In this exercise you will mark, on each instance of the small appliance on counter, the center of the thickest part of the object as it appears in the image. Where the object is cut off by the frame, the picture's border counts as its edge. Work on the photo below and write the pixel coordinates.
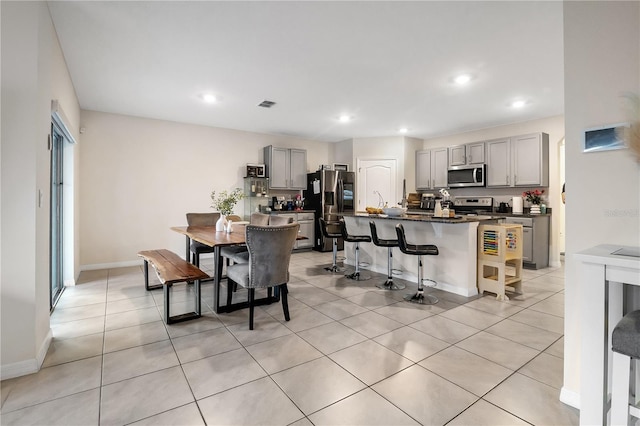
(503, 208)
(517, 205)
(428, 202)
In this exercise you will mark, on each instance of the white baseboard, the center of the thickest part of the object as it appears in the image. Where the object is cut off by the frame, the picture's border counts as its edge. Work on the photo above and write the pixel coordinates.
(570, 398)
(29, 366)
(124, 264)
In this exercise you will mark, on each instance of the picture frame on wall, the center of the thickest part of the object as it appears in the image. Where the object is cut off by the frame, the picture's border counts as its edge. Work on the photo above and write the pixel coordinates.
(605, 138)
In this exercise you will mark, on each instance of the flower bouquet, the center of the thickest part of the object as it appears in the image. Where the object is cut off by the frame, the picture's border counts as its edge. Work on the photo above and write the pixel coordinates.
(534, 197)
(226, 201)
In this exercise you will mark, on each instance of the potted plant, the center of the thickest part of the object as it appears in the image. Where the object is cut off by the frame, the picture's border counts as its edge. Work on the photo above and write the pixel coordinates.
(535, 198)
(224, 202)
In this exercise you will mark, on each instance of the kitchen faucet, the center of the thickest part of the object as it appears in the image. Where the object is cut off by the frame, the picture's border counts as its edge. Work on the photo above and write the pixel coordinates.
(381, 202)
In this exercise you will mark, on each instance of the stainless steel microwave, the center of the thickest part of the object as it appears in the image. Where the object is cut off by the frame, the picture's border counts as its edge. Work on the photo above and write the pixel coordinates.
(463, 176)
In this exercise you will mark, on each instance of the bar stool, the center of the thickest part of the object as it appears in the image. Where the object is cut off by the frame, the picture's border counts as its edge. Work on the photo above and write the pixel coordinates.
(334, 236)
(357, 239)
(389, 244)
(625, 343)
(417, 250)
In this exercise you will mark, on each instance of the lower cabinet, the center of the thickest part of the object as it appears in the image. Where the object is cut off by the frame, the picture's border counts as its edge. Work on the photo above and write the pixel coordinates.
(307, 228)
(535, 236)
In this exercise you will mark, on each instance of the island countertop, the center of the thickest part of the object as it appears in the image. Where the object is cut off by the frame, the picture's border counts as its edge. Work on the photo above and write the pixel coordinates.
(424, 217)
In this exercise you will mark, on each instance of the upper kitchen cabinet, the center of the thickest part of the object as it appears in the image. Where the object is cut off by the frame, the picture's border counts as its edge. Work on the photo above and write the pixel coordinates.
(431, 169)
(286, 168)
(518, 161)
(468, 154)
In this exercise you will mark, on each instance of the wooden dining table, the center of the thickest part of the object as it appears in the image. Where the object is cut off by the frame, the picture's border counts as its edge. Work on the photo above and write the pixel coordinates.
(208, 235)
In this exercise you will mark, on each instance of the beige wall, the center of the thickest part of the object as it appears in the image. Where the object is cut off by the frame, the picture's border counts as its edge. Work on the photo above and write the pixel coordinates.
(33, 73)
(140, 176)
(602, 60)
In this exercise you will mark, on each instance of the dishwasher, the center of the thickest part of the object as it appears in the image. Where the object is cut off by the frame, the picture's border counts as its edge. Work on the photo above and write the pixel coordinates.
(535, 240)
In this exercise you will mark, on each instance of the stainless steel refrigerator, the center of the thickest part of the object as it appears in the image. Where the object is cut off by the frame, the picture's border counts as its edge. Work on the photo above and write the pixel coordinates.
(331, 194)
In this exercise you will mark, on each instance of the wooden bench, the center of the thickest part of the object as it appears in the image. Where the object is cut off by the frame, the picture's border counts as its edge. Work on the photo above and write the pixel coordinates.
(172, 269)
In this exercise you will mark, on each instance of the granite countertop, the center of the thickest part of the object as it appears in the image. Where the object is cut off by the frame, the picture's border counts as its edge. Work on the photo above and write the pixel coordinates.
(417, 217)
(494, 215)
(291, 211)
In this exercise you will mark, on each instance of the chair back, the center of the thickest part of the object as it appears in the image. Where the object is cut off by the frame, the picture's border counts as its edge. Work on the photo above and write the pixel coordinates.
(270, 253)
(277, 220)
(402, 240)
(259, 219)
(414, 249)
(234, 218)
(374, 233)
(202, 219)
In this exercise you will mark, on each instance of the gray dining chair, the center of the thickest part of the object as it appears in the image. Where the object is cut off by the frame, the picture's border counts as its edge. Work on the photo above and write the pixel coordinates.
(238, 254)
(269, 256)
(276, 220)
(200, 219)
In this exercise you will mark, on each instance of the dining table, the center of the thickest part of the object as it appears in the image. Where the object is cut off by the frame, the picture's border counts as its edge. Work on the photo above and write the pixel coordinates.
(208, 235)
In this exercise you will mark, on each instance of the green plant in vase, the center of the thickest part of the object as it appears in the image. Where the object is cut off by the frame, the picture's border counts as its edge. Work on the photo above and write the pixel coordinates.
(224, 202)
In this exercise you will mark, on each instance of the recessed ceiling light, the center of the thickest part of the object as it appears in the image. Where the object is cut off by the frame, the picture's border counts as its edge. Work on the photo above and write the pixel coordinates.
(209, 98)
(462, 79)
(518, 104)
(345, 118)
(403, 130)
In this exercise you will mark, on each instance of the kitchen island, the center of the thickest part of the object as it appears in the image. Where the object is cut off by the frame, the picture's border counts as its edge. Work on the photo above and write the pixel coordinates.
(454, 269)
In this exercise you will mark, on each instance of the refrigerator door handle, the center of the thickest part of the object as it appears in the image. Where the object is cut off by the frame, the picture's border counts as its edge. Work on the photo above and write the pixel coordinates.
(340, 196)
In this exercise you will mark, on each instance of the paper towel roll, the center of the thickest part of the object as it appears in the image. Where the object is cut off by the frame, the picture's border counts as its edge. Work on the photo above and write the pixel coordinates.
(517, 205)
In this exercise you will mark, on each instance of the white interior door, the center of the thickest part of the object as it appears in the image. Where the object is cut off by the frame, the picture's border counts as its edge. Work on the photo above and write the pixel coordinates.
(376, 176)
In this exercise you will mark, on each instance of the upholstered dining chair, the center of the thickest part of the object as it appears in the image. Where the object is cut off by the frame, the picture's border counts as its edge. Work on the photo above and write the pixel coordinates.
(276, 220)
(269, 256)
(238, 254)
(200, 219)
(234, 218)
(258, 218)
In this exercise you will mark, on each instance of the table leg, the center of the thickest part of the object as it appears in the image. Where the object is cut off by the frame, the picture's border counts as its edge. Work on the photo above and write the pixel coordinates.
(593, 353)
(187, 255)
(217, 267)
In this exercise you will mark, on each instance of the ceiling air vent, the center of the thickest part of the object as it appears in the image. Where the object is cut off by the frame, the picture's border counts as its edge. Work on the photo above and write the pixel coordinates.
(266, 104)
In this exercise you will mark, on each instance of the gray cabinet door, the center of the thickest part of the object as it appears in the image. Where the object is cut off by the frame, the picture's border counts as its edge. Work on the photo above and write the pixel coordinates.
(475, 153)
(279, 171)
(529, 160)
(457, 155)
(423, 169)
(527, 245)
(499, 163)
(298, 179)
(439, 168)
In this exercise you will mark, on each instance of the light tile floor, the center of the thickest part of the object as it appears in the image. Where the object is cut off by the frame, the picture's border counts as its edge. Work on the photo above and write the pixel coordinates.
(351, 354)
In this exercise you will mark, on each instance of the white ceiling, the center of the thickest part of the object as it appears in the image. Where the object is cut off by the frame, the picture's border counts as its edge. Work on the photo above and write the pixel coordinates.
(389, 64)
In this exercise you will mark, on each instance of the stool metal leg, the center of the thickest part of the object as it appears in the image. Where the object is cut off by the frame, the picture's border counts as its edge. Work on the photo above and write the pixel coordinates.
(334, 267)
(389, 284)
(356, 275)
(420, 296)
